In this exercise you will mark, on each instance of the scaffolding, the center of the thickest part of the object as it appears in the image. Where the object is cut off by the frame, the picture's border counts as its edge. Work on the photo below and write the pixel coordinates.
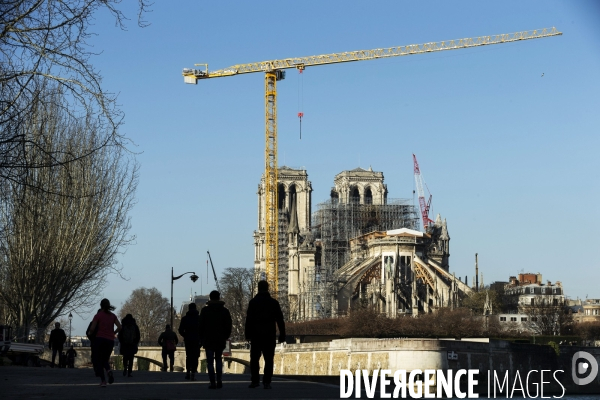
(282, 265)
(333, 225)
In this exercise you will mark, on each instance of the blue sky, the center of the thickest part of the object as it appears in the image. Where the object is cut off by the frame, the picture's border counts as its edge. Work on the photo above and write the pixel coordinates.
(509, 155)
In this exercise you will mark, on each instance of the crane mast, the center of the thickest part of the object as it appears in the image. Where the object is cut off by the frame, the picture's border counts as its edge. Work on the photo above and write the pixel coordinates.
(214, 273)
(273, 71)
(424, 206)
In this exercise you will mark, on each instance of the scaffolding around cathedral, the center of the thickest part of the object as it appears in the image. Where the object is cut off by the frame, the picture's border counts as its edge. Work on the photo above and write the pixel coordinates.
(282, 246)
(333, 225)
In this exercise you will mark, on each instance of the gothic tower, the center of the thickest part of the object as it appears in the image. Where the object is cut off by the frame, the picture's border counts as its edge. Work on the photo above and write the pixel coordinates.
(294, 210)
(359, 186)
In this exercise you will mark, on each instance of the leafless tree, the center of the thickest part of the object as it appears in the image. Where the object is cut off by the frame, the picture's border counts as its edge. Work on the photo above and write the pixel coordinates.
(151, 312)
(548, 315)
(237, 286)
(64, 224)
(588, 331)
(45, 43)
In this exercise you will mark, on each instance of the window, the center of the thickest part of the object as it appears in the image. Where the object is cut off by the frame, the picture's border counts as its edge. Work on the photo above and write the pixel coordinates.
(513, 319)
(533, 319)
(502, 318)
(368, 196)
(523, 319)
(354, 196)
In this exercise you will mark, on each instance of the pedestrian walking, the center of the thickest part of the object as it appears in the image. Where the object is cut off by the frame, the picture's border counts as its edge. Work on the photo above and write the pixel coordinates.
(189, 329)
(129, 340)
(264, 312)
(168, 341)
(63, 360)
(71, 354)
(56, 343)
(215, 329)
(102, 345)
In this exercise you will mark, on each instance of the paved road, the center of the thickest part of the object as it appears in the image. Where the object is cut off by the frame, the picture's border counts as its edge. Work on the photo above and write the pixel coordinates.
(46, 383)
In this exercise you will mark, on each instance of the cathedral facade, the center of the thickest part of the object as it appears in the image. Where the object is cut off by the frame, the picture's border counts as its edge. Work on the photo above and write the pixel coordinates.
(357, 249)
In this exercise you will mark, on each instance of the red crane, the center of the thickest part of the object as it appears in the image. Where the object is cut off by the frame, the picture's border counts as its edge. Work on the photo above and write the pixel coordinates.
(424, 206)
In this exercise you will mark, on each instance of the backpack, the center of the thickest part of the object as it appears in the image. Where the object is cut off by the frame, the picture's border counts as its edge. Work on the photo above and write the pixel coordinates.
(128, 336)
(171, 345)
(92, 335)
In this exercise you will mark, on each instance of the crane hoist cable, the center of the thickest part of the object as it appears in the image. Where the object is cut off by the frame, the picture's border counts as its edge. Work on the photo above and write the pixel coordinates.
(300, 97)
(274, 70)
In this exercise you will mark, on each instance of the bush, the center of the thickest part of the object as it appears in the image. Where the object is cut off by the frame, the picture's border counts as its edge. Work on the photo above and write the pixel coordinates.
(555, 347)
(117, 362)
(143, 365)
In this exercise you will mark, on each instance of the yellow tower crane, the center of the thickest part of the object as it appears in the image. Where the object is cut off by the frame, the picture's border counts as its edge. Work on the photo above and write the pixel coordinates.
(274, 71)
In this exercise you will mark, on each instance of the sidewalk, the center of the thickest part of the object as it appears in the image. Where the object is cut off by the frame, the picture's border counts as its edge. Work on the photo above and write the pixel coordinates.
(32, 383)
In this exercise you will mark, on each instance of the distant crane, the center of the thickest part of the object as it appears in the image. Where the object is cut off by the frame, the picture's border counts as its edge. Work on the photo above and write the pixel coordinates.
(274, 71)
(214, 273)
(424, 206)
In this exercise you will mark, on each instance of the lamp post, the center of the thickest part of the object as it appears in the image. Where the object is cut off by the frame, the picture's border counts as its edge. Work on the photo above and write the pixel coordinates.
(70, 325)
(194, 278)
(27, 299)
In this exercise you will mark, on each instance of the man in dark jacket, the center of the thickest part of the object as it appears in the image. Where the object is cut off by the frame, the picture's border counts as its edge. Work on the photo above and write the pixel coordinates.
(56, 342)
(215, 329)
(129, 340)
(168, 341)
(189, 329)
(263, 313)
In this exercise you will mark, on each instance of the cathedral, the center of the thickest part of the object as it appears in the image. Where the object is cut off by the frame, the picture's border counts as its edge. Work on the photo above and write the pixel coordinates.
(358, 248)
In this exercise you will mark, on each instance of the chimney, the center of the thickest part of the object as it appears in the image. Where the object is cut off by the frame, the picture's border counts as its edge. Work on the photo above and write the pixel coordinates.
(476, 274)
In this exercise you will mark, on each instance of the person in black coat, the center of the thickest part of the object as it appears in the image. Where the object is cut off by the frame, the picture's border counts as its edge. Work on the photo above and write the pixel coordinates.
(215, 329)
(56, 342)
(129, 340)
(168, 341)
(189, 329)
(71, 354)
(263, 314)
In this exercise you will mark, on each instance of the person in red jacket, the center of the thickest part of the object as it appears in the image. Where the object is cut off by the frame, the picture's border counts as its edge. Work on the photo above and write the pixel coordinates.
(104, 341)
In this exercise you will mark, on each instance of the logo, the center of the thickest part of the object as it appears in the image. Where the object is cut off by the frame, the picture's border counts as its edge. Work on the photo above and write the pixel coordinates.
(583, 364)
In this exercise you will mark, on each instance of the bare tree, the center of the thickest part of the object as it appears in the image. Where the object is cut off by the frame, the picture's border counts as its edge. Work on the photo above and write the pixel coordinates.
(45, 42)
(238, 286)
(151, 311)
(588, 331)
(64, 224)
(548, 315)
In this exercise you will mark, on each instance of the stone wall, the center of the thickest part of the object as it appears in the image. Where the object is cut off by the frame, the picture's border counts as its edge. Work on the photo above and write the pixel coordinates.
(328, 358)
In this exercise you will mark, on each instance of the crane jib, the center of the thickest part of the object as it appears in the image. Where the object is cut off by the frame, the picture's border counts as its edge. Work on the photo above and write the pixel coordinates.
(361, 55)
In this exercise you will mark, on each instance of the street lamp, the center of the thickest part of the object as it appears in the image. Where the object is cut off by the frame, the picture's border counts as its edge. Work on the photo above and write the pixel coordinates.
(27, 299)
(70, 325)
(194, 278)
